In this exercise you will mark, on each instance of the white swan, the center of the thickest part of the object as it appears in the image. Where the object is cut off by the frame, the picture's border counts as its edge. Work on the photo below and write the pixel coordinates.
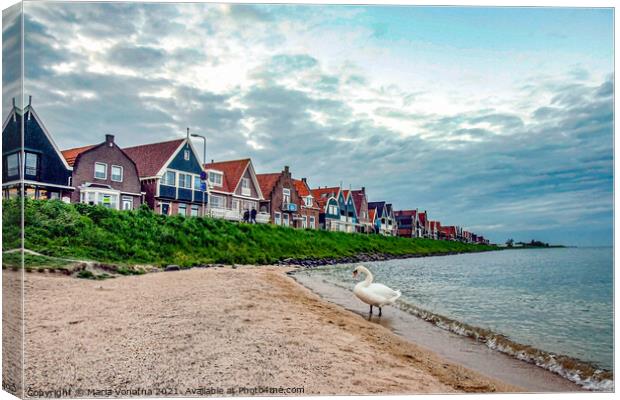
(374, 294)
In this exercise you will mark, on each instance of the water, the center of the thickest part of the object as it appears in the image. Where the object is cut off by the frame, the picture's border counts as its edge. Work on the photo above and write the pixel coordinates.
(557, 300)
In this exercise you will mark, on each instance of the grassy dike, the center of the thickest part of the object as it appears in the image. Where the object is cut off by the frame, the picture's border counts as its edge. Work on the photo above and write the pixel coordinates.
(80, 231)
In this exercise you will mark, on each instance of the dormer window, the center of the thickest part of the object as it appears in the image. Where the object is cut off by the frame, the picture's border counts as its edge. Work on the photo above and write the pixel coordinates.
(216, 178)
(186, 155)
(308, 201)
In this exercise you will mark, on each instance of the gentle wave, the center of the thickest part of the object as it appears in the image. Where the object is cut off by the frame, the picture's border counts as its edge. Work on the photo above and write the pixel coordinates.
(584, 374)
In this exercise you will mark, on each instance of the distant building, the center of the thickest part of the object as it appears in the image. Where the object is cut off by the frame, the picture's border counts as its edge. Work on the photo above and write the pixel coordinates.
(360, 201)
(309, 209)
(104, 174)
(385, 221)
(41, 167)
(337, 211)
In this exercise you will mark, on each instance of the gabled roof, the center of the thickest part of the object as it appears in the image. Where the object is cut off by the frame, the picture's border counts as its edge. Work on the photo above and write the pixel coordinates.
(267, 182)
(422, 217)
(322, 195)
(406, 213)
(233, 171)
(304, 191)
(71, 154)
(371, 214)
(377, 205)
(358, 196)
(151, 158)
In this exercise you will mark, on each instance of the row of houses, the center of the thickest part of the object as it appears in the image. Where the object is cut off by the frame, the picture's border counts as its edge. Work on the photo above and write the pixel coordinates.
(169, 177)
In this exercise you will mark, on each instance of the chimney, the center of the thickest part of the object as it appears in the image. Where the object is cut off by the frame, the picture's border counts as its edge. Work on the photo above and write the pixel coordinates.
(109, 139)
(304, 180)
(187, 133)
(212, 161)
(286, 169)
(363, 190)
(30, 100)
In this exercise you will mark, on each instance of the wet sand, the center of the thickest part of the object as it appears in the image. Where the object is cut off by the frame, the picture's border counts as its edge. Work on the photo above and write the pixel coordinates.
(219, 328)
(450, 346)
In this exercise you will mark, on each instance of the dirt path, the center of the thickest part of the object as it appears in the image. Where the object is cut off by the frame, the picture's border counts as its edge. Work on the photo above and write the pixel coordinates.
(218, 328)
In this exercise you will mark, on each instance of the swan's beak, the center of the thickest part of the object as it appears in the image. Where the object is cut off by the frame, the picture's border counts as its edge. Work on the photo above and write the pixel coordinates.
(355, 274)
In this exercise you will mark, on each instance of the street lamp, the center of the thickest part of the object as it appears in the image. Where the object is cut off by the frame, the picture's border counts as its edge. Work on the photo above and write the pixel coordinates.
(204, 161)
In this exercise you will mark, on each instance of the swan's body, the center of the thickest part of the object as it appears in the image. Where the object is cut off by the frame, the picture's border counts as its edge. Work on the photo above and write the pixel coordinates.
(373, 294)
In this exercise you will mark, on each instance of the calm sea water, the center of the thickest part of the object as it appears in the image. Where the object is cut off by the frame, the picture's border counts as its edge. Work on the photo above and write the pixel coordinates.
(558, 300)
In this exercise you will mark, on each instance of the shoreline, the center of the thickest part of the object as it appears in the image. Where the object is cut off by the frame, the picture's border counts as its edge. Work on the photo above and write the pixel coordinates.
(451, 340)
(220, 327)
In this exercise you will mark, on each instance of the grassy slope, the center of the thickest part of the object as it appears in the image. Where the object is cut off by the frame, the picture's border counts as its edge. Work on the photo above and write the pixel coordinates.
(91, 232)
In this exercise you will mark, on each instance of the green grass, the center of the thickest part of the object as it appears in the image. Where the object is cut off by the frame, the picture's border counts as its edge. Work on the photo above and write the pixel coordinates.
(33, 261)
(81, 231)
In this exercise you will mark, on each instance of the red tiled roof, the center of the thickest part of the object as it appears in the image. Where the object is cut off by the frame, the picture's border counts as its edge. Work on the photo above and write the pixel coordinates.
(371, 214)
(321, 195)
(233, 171)
(150, 158)
(303, 190)
(422, 218)
(267, 182)
(71, 154)
(358, 196)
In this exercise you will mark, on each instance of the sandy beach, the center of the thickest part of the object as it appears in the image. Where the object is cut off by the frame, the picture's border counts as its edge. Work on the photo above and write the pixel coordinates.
(218, 329)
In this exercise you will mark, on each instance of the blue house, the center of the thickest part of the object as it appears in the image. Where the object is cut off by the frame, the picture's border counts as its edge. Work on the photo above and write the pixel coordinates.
(40, 165)
(385, 221)
(170, 174)
(337, 209)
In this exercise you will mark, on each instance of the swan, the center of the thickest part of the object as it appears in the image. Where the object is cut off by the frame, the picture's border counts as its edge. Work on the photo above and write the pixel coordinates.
(374, 294)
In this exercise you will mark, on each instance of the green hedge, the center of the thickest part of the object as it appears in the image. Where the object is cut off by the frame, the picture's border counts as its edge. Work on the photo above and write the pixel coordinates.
(132, 237)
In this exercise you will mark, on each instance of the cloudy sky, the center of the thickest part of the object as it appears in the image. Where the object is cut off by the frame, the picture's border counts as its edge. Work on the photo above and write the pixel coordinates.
(496, 119)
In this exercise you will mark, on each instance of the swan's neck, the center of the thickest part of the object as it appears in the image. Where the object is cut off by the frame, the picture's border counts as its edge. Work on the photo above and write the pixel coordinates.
(368, 279)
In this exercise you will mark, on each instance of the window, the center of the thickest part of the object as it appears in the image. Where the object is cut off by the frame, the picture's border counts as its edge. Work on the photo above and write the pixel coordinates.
(169, 178)
(12, 164)
(101, 170)
(309, 201)
(286, 195)
(235, 204)
(186, 155)
(277, 219)
(32, 161)
(245, 187)
(54, 195)
(217, 201)
(285, 219)
(185, 181)
(107, 200)
(183, 209)
(312, 223)
(165, 208)
(197, 183)
(333, 210)
(304, 222)
(117, 173)
(127, 203)
(215, 178)
(194, 211)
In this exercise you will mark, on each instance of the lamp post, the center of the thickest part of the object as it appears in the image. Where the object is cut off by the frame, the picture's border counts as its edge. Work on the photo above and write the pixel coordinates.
(204, 160)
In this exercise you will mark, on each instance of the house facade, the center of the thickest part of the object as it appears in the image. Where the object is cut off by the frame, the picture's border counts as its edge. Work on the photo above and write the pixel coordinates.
(360, 201)
(39, 166)
(170, 177)
(233, 189)
(385, 222)
(104, 174)
(281, 198)
(434, 229)
(337, 211)
(309, 209)
(407, 223)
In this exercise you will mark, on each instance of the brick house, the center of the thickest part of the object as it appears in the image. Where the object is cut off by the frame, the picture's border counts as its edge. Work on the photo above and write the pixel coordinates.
(309, 208)
(281, 198)
(233, 189)
(170, 177)
(104, 174)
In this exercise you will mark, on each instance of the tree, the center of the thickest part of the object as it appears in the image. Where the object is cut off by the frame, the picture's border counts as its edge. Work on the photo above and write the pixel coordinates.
(509, 242)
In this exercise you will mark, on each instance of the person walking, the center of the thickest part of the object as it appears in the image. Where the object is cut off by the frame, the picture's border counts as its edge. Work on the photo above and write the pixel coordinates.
(253, 216)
